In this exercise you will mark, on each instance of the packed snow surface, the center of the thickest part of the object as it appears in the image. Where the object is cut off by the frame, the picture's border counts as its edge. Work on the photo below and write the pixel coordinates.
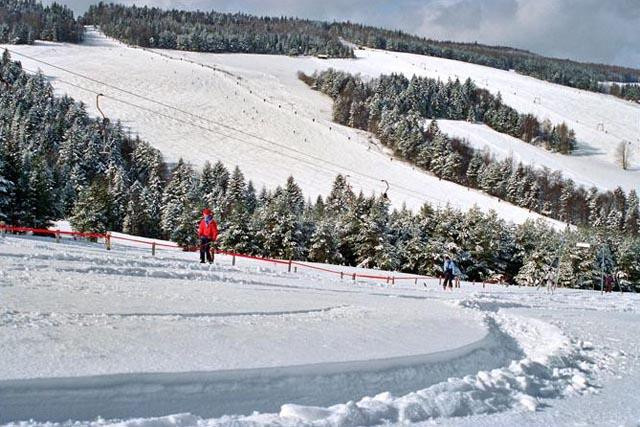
(587, 171)
(246, 110)
(124, 338)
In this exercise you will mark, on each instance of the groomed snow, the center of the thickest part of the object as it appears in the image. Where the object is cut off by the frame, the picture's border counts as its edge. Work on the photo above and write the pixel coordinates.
(584, 170)
(259, 95)
(163, 341)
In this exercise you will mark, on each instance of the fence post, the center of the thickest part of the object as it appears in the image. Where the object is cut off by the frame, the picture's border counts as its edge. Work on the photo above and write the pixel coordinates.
(107, 241)
(153, 249)
(233, 260)
(289, 269)
(415, 281)
(483, 283)
(354, 277)
(295, 269)
(341, 275)
(57, 236)
(393, 280)
(387, 280)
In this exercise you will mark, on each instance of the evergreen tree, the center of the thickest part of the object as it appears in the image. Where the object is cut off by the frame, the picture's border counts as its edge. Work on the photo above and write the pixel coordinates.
(179, 206)
(92, 210)
(373, 247)
(323, 245)
(632, 220)
(136, 220)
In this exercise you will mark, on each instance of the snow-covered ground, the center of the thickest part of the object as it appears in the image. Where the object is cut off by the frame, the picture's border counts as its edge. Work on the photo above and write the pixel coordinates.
(147, 341)
(584, 170)
(280, 126)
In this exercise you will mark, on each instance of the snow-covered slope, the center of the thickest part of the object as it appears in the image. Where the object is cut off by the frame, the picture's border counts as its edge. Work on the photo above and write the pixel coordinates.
(584, 170)
(122, 334)
(281, 127)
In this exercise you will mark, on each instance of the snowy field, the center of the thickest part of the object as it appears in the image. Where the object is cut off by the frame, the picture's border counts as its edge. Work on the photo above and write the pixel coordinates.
(124, 338)
(280, 126)
(584, 170)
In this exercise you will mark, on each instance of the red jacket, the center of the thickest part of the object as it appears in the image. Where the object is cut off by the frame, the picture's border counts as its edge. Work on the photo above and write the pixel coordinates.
(209, 231)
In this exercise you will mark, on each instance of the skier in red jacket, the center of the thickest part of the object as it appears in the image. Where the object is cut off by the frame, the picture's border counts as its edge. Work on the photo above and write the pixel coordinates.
(208, 233)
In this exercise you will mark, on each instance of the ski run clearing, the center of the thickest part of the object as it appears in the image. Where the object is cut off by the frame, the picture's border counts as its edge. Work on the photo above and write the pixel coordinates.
(252, 111)
(122, 338)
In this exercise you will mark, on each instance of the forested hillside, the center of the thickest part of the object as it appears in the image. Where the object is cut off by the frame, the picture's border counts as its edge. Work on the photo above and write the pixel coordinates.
(223, 32)
(24, 21)
(396, 109)
(215, 32)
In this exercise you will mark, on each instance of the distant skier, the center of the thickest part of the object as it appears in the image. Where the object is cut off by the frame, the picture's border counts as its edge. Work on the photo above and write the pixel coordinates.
(208, 233)
(608, 283)
(457, 274)
(550, 281)
(448, 267)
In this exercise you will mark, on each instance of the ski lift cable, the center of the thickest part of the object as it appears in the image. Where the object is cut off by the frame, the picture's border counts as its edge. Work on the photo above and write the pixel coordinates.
(407, 191)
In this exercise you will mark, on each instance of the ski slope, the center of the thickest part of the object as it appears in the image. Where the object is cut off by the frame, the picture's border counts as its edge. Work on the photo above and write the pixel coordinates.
(279, 127)
(600, 121)
(584, 170)
(139, 340)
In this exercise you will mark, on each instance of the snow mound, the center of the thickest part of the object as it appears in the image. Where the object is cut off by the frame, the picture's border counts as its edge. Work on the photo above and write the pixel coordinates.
(552, 366)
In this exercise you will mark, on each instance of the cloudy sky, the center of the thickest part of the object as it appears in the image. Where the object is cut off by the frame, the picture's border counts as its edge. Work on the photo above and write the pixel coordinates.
(588, 30)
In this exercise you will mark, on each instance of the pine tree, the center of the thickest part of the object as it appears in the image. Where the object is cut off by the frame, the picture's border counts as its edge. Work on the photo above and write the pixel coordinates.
(475, 170)
(91, 212)
(136, 219)
(632, 220)
(179, 206)
(323, 245)
(41, 206)
(373, 246)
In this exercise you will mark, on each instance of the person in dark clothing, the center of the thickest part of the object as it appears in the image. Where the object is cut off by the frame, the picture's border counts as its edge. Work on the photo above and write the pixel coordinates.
(448, 273)
(208, 233)
(608, 283)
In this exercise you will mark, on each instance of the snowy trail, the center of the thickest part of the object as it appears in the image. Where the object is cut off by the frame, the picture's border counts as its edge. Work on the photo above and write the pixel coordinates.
(214, 394)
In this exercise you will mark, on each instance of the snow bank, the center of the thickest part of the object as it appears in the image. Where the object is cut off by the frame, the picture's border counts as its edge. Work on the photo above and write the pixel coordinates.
(551, 366)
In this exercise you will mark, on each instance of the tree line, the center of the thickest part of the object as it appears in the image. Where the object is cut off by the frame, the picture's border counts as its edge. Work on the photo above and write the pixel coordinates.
(57, 162)
(395, 109)
(215, 32)
(379, 105)
(24, 21)
(225, 32)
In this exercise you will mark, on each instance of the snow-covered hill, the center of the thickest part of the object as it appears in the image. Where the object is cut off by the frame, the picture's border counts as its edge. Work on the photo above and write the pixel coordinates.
(280, 126)
(584, 170)
(122, 335)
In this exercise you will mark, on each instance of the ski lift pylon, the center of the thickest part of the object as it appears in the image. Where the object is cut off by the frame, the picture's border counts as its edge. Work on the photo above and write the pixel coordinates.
(385, 195)
(103, 125)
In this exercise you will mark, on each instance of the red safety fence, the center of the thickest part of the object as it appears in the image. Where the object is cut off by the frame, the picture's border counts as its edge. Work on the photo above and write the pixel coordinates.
(108, 237)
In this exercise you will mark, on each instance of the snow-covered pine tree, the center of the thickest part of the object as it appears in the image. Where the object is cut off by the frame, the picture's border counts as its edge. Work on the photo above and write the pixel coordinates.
(40, 203)
(179, 206)
(475, 169)
(6, 189)
(91, 211)
(632, 220)
(236, 234)
(373, 247)
(136, 217)
(323, 245)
